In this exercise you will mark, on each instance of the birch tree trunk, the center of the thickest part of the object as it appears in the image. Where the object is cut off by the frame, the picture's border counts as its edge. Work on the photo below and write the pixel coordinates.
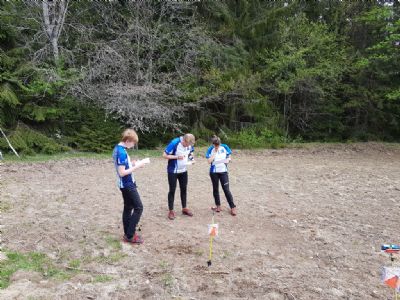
(53, 20)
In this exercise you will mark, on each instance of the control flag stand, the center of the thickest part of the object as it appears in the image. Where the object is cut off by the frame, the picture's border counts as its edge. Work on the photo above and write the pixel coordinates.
(391, 274)
(212, 232)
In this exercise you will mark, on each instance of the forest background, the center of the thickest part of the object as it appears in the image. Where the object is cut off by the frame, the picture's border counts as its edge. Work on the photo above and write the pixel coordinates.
(257, 73)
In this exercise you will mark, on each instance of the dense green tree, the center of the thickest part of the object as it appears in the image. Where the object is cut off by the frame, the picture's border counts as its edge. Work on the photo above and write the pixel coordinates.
(255, 71)
(300, 75)
(372, 90)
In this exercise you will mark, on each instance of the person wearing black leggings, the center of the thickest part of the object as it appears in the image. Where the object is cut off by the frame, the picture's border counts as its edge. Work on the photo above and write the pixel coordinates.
(179, 153)
(124, 168)
(218, 156)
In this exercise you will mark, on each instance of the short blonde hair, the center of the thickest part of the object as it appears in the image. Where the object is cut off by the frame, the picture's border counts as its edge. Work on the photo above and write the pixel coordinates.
(129, 135)
(189, 138)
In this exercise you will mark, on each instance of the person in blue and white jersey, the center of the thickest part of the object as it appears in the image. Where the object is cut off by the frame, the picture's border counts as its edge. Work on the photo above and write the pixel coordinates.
(179, 153)
(133, 207)
(218, 156)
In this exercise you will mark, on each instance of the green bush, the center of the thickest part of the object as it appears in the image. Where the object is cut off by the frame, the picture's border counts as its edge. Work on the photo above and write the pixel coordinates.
(28, 141)
(255, 138)
(152, 140)
(202, 135)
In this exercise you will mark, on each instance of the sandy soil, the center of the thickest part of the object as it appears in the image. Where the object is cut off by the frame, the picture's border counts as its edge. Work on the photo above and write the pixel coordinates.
(309, 226)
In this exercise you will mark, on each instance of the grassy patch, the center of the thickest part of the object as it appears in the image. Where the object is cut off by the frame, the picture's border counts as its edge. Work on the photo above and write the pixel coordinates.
(32, 261)
(113, 242)
(167, 280)
(4, 206)
(199, 252)
(102, 278)
(163, 264)
(110, 259)
(75, 263)
(9, 158)
(226, 254)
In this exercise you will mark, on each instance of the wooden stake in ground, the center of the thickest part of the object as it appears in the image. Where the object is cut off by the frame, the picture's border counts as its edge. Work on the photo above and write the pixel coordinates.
(9, 144)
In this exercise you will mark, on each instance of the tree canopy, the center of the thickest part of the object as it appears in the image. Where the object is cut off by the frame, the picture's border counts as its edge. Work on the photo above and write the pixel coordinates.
(256, 72)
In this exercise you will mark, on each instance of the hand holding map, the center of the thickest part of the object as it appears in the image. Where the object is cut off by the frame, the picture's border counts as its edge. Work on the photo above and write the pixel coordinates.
(222, 161)
(141, 163)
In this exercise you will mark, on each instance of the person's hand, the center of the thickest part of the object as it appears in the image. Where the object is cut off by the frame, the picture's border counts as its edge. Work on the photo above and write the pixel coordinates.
(138, 164)
(180, 157)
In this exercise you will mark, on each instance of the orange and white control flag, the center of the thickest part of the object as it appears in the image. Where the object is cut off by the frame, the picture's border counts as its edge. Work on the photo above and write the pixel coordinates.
(391, 276)
(213, 230)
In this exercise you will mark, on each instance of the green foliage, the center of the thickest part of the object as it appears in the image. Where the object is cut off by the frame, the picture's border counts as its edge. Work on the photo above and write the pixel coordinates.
(41, 113)
(314, 70)
(32, 261)
(372, 97)
(203, 135)
(301, 72)
(102, 278)
(393, 95)
(75, 263)
(86, 128)
(93, 139)
(113, 242)
(254, 138)
(224, 70)
(28, 141)
(8, 96)
(11, 158)
(4, 205)
(151, 140)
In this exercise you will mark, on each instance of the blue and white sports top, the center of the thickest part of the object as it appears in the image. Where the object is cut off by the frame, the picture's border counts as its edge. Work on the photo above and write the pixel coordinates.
(175, 147)
(223, 153)
(121, 158)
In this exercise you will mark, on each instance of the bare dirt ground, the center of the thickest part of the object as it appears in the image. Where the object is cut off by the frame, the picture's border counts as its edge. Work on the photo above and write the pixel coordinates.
(309, 226)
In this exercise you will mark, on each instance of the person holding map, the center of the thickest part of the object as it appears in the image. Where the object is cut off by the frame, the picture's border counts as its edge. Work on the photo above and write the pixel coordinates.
(179, 153)
(124, 167)
(218, 156)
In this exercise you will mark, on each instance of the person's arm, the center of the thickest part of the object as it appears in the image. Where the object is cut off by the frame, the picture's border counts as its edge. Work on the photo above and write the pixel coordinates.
(211, 153)
(171, 156)
(170, 149)
(211, 159)
(228, 152)
(123, 172)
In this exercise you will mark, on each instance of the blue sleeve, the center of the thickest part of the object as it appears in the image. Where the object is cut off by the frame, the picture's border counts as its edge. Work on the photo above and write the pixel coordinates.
(228, 150)
(171, 148)
(121, 158)
(208, 153)
(192, 149)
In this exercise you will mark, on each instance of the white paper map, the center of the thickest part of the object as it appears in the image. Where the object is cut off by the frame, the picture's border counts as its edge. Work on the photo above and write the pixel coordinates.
(142, 161)
(222, 161)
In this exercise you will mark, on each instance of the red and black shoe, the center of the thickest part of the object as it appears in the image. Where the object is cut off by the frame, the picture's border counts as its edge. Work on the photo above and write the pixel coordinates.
(233, 211)
(171, 215)
(187, 212)
(136, 239)
(216, 208)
